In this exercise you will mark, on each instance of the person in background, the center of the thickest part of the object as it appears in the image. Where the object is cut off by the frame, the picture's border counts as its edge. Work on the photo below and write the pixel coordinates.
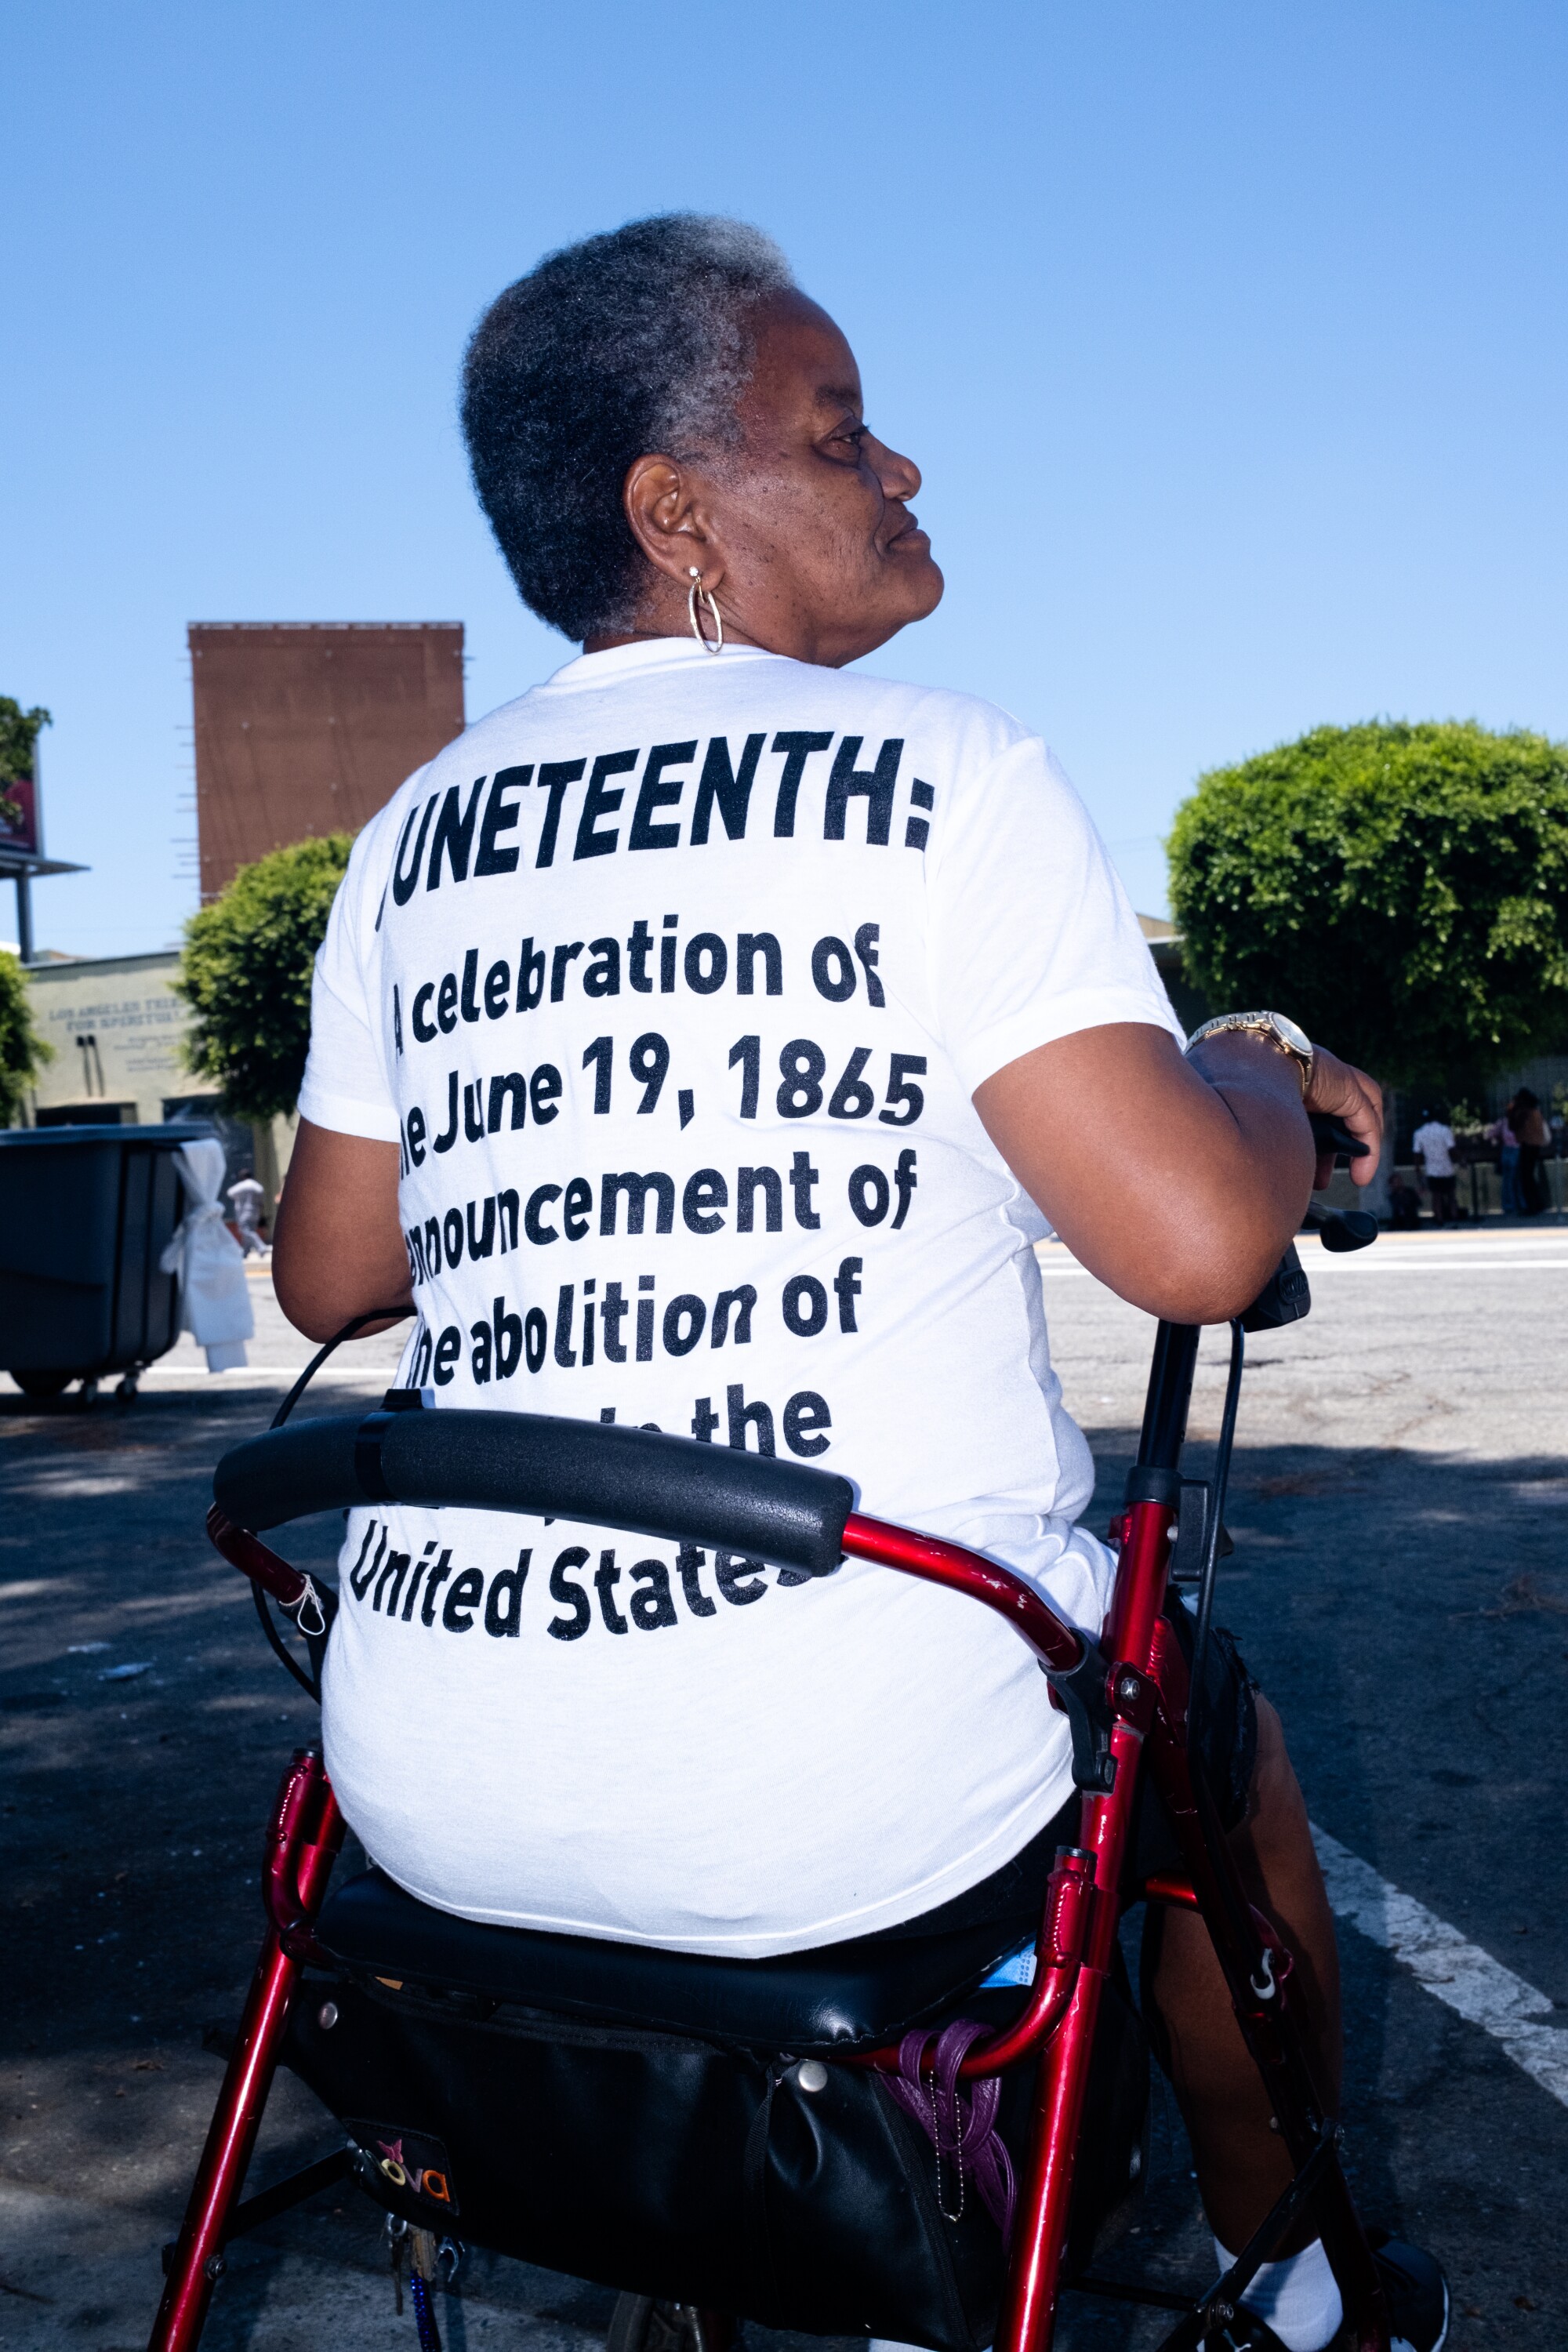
(1524, 1115)
(1434, 1148)
(1500, 1132)
(247, 1198)
(1403, 1206)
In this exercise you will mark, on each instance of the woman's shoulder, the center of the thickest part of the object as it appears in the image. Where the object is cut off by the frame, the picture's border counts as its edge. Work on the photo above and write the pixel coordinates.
(943, 735)
(627, 678)
(969, 723)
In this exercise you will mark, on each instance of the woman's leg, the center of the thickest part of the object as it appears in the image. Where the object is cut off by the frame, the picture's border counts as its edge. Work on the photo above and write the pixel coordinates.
(1509, 1172)
(1242, 2165)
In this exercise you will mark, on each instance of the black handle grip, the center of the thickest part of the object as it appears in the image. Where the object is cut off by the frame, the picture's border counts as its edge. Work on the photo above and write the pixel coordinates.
(1340, 1230)
(1330, 1136)
(666, 1487)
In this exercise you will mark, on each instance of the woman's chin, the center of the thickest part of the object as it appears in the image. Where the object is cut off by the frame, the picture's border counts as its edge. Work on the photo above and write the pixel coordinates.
(923, 581)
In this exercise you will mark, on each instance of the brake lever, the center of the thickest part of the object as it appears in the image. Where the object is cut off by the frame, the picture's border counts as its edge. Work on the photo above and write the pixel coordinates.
(1339, 1230)
(1330, 1136)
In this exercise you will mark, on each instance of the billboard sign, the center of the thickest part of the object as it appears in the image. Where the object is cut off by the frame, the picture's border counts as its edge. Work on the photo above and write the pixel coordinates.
(20, 832)
(19, 813)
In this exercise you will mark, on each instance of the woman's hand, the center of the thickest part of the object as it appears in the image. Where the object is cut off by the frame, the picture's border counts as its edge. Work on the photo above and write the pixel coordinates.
(1339, 1090)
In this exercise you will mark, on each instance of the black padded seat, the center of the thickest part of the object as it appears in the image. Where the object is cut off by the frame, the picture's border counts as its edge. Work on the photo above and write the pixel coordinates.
(839, 1997)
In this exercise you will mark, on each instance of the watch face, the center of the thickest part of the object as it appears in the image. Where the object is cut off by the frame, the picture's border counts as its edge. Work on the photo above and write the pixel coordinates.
(1294, 1037)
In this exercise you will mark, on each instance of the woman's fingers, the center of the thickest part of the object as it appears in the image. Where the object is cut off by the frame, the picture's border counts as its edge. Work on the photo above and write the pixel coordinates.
(1341, 1091)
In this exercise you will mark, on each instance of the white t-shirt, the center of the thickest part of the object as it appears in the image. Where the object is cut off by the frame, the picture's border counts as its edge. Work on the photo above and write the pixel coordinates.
(673, 980)
(1435, 1142)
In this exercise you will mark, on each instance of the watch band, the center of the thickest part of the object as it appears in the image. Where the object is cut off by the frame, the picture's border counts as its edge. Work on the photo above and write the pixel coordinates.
(1280, 1031)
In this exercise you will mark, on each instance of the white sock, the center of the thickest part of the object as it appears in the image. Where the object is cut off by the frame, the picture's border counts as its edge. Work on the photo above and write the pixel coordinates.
(1299, 2297)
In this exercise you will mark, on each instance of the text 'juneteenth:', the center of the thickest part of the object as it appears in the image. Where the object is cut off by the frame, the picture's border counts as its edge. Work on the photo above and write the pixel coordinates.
(723, 789)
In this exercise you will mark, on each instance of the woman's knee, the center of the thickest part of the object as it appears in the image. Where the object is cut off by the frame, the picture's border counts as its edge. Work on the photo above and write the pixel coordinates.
(1276, 1809)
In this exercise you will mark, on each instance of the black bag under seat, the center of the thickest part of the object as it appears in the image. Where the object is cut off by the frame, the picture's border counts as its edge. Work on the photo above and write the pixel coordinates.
(667, 2166)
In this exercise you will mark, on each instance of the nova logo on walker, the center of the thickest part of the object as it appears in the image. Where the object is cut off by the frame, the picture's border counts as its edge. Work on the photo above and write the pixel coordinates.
(414, 2162)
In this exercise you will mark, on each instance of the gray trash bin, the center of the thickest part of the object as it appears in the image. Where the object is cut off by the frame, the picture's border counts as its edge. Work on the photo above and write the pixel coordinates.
(85, 1215)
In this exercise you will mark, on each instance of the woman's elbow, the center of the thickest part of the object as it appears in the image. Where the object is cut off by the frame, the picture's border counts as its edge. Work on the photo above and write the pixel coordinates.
(1211, 1279)
(307, 1304)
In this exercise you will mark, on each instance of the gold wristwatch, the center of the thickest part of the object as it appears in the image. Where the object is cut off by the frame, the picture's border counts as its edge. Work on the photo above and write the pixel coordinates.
(1280, 1031)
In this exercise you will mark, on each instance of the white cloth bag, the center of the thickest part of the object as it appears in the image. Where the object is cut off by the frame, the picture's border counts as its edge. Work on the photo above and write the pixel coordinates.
(215, 1297)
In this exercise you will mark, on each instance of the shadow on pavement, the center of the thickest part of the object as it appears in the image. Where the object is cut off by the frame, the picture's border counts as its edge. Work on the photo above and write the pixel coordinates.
(1408, 1613)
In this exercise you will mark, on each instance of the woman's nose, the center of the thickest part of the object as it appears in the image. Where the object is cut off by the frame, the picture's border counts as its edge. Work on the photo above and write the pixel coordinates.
(899, 476)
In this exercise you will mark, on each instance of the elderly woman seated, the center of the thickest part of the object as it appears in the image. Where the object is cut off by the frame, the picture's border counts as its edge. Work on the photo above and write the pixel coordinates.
(704, 1040)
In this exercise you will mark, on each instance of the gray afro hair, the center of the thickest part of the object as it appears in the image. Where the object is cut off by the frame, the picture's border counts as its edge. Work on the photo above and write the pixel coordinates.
(631, 343)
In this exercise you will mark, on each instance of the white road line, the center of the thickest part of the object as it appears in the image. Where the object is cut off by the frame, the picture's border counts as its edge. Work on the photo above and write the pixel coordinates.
(1478, 1250)
(1470, 1981)
(1391, 1256)
(1347, 1268)
(1498, 1265)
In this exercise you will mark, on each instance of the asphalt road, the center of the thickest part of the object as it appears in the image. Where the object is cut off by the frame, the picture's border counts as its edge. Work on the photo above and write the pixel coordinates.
(1399, 1586)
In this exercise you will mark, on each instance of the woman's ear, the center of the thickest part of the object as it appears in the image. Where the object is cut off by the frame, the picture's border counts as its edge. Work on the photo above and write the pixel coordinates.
(669, 522)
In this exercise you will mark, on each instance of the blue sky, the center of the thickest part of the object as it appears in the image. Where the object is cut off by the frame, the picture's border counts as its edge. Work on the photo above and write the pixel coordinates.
(1229, 336)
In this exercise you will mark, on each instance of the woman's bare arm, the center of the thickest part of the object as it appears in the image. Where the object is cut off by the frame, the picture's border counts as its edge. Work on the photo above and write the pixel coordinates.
(1177, 1181)
(338, 1250)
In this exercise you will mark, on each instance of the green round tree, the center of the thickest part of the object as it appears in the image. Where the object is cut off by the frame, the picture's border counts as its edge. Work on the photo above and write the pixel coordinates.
(23, 1052)
(1401, 891)
(245, 974)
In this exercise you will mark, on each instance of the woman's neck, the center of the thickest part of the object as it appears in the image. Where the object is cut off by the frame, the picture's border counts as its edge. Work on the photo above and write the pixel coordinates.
(604, 641)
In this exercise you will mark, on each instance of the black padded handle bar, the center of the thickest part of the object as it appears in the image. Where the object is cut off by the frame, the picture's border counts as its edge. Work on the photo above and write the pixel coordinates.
(635, 1479)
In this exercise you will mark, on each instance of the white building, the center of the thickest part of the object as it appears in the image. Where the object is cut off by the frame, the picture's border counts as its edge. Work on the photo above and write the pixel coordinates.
(118, 1030)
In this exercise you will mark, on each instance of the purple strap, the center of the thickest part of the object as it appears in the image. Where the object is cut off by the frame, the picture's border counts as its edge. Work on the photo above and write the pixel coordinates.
(958, 2124)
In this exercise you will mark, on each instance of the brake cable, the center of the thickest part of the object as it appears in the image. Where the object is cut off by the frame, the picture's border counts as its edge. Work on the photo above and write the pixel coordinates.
(1213, 1528)
(311, 1682)
(372, 1315)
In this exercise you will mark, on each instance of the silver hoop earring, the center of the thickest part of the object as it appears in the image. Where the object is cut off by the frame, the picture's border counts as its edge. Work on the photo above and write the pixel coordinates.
(707, 595)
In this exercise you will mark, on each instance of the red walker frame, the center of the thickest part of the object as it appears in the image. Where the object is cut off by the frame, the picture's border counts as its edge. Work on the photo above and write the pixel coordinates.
(1133, 1696)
